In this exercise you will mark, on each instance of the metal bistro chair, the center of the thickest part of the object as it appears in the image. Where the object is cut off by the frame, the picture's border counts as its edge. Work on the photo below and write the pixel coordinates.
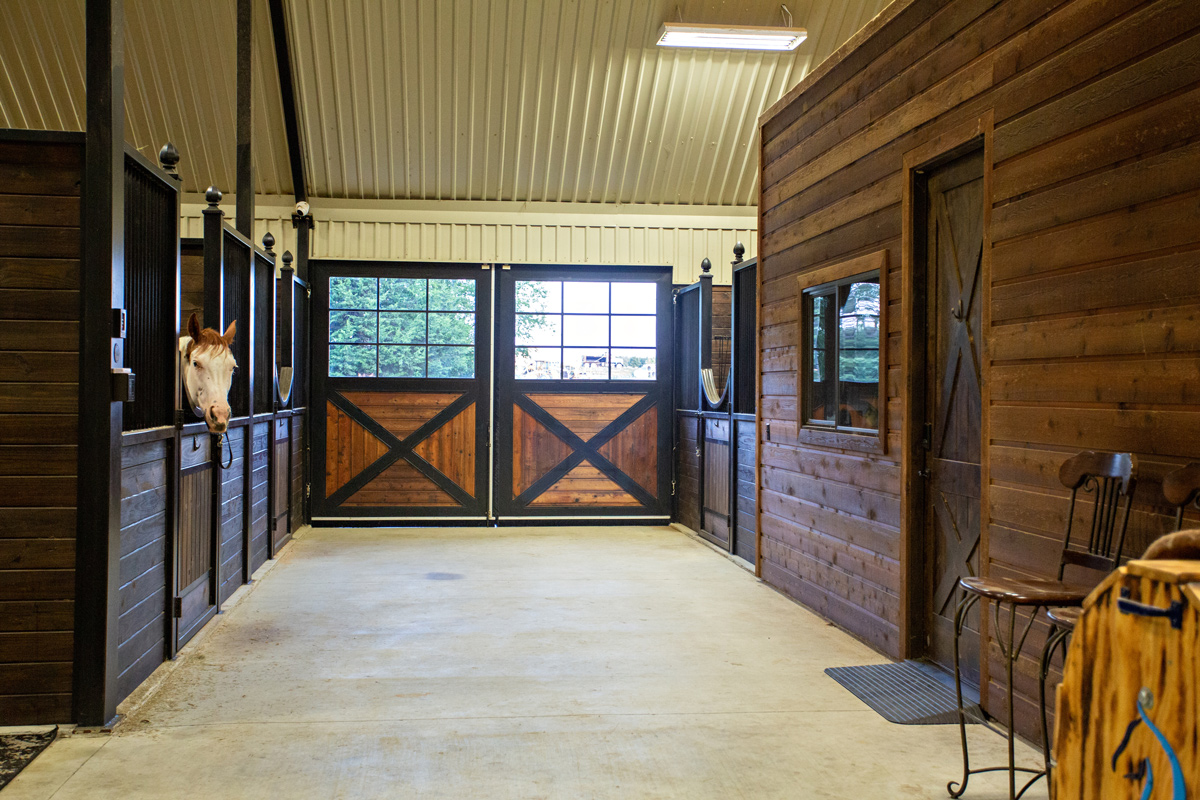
(1107, 477)
(1180, 488)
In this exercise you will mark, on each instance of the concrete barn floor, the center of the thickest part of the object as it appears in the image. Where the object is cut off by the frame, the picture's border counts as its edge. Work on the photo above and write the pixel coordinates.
(520, 663)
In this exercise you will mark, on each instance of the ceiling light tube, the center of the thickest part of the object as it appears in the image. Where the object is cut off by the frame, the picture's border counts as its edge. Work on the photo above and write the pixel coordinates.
(730, 37)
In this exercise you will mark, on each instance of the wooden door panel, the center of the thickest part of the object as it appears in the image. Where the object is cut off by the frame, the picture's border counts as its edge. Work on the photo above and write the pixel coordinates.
(954, 215)
(401, 451)
(549, 453)
(715, 517)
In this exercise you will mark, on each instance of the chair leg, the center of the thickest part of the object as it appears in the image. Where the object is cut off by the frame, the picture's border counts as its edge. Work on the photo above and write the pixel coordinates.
(1013, 653)
(960, 616)
(1058, 636)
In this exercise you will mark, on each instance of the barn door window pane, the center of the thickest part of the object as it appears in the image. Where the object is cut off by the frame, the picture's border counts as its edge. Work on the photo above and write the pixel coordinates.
(585, 330)
(841, 384)
(401, 328)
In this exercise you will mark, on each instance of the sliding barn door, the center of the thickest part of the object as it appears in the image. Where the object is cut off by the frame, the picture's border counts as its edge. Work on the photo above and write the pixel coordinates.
(404, 378)
(582, 406)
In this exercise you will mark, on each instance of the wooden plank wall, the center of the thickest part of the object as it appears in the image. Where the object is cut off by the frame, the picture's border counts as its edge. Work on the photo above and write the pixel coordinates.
(687, 470)
(299, 504)
(744, 540)
(1094, 303)
(260, 545)
(39, 374)
(231, 528)
(191, 282)
(143, 593)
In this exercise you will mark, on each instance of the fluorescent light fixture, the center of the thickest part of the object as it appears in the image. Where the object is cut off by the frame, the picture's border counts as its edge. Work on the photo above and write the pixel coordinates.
(730, 37)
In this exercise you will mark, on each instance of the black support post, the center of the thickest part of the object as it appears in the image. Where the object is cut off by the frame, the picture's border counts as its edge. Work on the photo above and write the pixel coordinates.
(102, 288)
(291, 127)
(245, 119)
(303, 223)
(705, 316)
(214, 314)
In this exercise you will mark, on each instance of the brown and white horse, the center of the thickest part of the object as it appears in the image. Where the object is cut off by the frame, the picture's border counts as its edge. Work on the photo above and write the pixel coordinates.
(208, 366)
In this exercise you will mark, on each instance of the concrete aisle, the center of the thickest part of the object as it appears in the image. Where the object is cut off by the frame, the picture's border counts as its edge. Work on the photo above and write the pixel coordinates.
(521, 663)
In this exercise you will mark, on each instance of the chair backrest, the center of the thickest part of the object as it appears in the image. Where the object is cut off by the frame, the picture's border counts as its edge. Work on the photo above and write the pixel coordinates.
(1181, 487)
(1107, 477)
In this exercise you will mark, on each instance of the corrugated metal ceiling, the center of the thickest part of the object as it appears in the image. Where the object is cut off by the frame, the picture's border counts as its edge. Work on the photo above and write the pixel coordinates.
(179, 82)
(542, 100)
(528, 100)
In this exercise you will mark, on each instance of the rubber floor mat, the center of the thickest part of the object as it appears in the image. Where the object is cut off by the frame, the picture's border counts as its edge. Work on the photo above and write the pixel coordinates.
(903, 693)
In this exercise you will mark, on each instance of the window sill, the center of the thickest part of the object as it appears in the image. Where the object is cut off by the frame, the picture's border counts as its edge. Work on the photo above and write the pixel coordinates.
(842, 440)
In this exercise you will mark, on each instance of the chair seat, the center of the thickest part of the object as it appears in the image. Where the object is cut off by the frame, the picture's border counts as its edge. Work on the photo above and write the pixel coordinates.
(1065, 616)
(1026, 591)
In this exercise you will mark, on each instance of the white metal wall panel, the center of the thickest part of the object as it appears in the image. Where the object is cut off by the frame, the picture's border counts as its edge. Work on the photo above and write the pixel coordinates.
(498, 233)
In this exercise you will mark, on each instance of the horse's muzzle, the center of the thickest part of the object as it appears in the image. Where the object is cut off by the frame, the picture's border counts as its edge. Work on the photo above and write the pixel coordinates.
(217, 422)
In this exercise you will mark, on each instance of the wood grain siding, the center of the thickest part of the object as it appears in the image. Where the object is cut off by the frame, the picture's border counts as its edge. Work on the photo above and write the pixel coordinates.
(191, 281)
(143, 592)
(1087, 111)
(299, 516)
(259, 527)
(231, 527)
(744, 537)
(39, 390)
(687, 470)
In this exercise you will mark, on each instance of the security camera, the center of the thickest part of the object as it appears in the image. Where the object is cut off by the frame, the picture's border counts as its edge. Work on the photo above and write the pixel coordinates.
(302, 208)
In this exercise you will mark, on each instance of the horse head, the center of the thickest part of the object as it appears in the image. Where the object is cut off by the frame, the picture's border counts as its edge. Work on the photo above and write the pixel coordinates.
(208, 366)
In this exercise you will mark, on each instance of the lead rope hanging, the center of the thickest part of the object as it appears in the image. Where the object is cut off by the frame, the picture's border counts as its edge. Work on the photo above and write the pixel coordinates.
(221, 442)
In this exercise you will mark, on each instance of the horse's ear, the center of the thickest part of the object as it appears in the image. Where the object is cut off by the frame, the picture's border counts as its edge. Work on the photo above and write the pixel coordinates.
(193, 327)
(229, 332)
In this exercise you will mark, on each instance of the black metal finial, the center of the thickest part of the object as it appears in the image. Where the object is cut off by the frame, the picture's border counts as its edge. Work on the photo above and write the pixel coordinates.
(268, 242)
(168, 158)
(706, 266)
(213, 196)
(739, 250)
(287, 259)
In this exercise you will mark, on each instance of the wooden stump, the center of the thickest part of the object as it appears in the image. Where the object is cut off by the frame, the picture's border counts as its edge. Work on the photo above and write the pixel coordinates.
(1126, 676)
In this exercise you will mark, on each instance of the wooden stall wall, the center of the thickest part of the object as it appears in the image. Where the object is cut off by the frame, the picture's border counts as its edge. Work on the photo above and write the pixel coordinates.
(260, 545)
(39, 386)
(232, 502)
(689, 422)
(1089, 112)
(145, 527)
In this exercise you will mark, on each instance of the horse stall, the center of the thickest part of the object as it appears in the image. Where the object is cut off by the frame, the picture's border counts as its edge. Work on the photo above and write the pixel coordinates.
(198, 514)
(714, 409)
(1000, 202)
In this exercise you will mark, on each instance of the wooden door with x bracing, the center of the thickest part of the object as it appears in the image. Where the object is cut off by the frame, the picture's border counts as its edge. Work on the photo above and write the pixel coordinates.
(404, 380)
(953, 230)
(583, 388)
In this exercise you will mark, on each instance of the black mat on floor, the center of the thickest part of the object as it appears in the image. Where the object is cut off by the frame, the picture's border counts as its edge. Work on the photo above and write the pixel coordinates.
(903, 693)
(18, 749)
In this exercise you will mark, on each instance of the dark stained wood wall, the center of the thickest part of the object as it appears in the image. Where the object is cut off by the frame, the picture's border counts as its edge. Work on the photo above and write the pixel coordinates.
(232, 525)
(687, 469)
(191, 281)
(260, 545)
(299, 515)
(39, 373)
(143, 593)
(744, 542)
(1091, 110)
